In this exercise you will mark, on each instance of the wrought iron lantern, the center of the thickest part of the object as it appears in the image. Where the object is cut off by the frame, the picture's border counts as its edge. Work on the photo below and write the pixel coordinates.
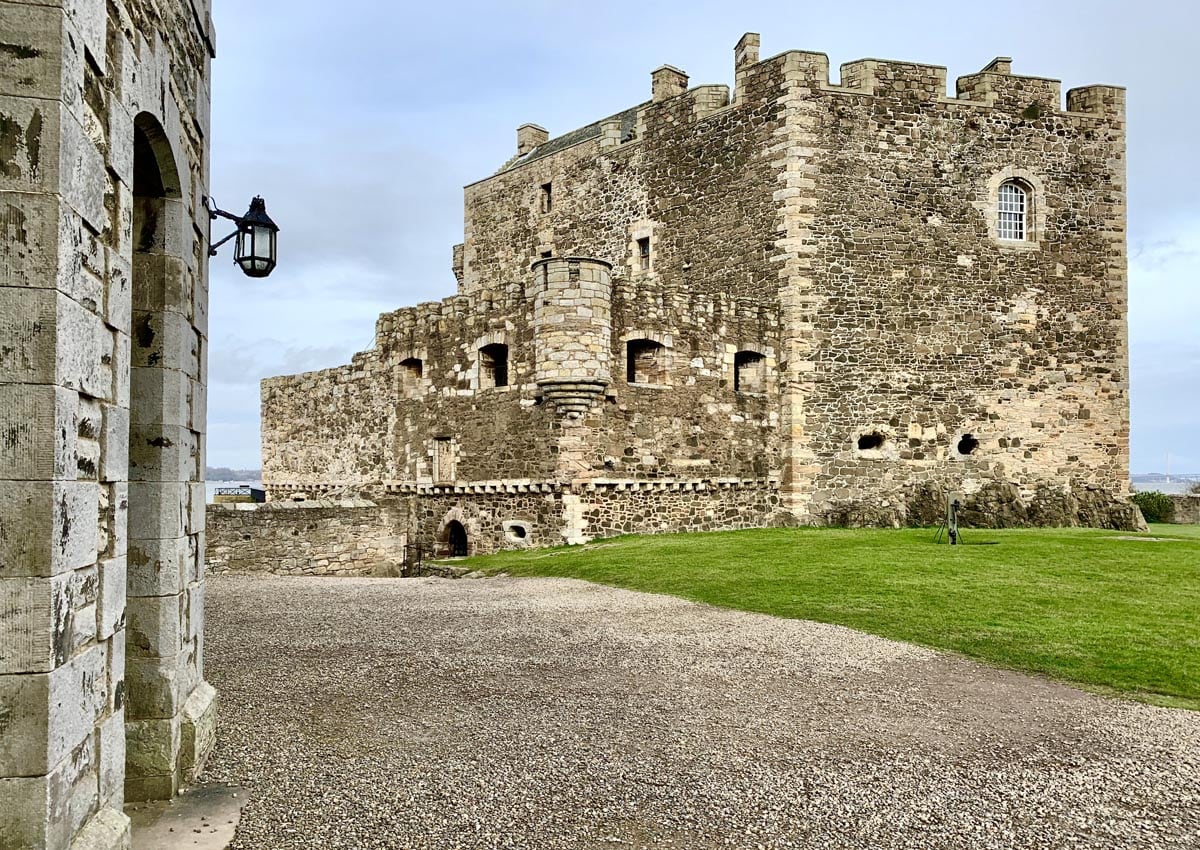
(256, 234)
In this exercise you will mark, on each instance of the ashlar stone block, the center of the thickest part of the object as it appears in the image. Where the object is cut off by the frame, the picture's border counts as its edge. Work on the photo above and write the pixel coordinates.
(154, 626)
(118, 300)
(151, 748)
(160, 396)
(165, 340)
(50, 714)
(198, 729)
(158, 567)
(108, 829)
(54, 154)
(163, 453)
(50, 809)
(110, 605)
(157, 510)
(46, 527)
(171, 290)
(114, 444)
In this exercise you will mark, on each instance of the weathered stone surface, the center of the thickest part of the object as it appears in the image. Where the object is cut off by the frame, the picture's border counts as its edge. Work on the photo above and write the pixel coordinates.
(108, 830)
(310, 538)
(199, 730)
(103, 160)
(46, 527)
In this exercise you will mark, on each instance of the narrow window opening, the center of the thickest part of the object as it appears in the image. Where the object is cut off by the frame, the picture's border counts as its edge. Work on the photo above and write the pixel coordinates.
(967, 444)
(868, 442)
(411, 372)
(1013, 212)
(749, 372)
(444, 462)
(547, 201)
(547, 255)
(645, 362)
(643, 253)
(493, 366)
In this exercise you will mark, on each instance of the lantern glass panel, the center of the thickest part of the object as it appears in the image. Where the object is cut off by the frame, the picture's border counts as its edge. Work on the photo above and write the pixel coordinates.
(264, 243)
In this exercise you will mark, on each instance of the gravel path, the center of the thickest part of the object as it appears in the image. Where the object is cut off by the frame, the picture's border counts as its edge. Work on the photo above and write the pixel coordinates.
(548, 713)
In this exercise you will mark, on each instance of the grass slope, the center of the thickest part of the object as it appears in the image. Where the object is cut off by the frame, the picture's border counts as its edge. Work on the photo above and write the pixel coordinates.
(1081, 605)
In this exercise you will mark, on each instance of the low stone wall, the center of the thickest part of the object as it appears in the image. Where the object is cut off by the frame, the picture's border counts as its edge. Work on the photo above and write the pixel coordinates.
(550, 514)
(1187, 508)
(321, 538)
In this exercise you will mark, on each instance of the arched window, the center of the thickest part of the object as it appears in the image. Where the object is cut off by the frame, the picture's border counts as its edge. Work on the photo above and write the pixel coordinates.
(1012, 211)
(645, 362)
(493, 366)
(749, 372)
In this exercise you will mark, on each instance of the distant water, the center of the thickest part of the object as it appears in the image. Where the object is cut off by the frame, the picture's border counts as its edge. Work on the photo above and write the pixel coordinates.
(1163, 486)
(212, 486)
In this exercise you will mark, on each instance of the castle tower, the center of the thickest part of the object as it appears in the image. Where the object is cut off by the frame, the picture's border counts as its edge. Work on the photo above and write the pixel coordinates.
(572, 329)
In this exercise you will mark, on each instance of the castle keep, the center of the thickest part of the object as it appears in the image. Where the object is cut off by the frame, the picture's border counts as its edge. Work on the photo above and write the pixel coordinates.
(803, 302)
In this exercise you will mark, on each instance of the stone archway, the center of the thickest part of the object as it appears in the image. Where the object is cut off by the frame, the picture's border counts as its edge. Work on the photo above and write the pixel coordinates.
(162, 650)
(456, 539)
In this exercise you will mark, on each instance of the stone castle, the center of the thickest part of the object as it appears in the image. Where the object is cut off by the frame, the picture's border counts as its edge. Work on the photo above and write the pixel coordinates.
(104, 164)
(806, 302)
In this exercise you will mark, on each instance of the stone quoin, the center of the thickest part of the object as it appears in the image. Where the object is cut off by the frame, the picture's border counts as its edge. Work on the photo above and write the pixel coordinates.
(808, 302)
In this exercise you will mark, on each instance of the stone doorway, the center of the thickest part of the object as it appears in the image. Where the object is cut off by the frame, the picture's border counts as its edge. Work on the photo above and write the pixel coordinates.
(161, 658)
(456, 537)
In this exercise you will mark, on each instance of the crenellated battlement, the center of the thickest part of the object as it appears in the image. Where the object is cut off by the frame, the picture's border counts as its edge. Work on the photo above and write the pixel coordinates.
(994, 87)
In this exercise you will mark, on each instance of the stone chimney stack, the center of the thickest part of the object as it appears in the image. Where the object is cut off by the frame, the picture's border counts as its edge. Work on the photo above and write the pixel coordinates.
(529, 136)
(667, 82)
(746, 52)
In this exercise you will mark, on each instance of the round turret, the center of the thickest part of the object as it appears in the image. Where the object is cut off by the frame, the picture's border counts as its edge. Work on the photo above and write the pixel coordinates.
(572, 327)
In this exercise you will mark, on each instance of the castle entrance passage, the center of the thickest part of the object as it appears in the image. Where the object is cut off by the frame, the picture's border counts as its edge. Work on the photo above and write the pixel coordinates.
(457, 537)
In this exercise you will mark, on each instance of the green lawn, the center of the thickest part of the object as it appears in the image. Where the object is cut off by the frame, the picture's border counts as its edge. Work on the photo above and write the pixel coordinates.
(1081, 605)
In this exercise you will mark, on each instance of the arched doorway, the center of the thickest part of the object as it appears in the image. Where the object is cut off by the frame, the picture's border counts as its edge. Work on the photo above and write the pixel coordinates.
(456, 537)
(161, 660)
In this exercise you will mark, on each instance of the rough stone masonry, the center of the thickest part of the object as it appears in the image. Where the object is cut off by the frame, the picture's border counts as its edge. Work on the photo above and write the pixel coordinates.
(808, 302)
(104, 134)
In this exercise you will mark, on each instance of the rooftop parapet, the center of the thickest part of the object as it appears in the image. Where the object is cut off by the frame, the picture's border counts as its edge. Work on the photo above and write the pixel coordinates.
(996, 85)
(1098, 100)
(745, 53)
(904, 79)
(667, 82)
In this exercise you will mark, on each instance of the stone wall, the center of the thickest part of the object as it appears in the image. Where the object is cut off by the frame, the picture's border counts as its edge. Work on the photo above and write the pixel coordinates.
(843, 238)
(524, 514)
(925, 326)
(103, 316)
(321, 538)
(1187, 509)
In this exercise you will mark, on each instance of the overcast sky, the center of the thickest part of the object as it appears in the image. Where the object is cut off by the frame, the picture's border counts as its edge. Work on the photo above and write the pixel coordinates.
(360, 121)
